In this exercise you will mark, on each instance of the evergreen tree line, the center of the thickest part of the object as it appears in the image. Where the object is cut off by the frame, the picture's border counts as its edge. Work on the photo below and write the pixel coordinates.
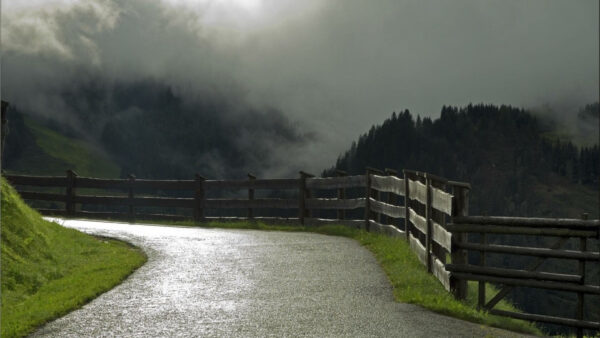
(580, 165)
(499, 150)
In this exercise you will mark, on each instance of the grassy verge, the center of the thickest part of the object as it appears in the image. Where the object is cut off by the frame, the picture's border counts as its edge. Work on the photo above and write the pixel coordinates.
(48, 270)
(410, 280)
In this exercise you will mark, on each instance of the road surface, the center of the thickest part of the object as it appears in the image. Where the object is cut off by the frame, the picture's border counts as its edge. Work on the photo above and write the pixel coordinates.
(245, 283)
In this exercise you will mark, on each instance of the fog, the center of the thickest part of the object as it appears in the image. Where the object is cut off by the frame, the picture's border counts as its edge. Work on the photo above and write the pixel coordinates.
(331, 68)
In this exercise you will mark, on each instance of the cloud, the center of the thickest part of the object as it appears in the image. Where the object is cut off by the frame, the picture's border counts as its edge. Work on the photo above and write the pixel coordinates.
(333, 67)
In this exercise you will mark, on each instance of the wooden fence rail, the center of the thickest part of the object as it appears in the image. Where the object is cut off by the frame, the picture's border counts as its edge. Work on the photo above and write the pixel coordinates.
(429, 211)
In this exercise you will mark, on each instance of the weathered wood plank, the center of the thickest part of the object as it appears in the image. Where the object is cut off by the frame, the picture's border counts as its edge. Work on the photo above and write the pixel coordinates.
(165, 184)
(441, 236)
(84, 182)
(108, 200)
(387, 209)
(537, 252)
(255, 203)
(126, 216)
(386, 229)
(357, 181)
(40, 181)
(533, 266)
(42, 196)
(355, 224)
(435, 178)
(514, 230)
(165, 217)
(548, 319)
(334, 203)
(267, 220)
(417, 220)
(101, 183)
(459, 184)
(591, 289)
(417, 191)
(164, 202)
(279, 183)
(388, 184)
(441, 200)
(527, 221)
(137, 201)
(513, 273)
(439, 271)
(418, 249)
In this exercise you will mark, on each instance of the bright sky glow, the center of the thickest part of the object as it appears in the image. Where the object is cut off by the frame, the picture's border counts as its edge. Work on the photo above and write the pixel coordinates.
(248, 6)
(17, 5)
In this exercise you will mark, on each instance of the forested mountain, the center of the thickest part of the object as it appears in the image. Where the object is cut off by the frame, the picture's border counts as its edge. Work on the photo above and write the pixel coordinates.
(33, 148)
(150, 130)
(513, 169)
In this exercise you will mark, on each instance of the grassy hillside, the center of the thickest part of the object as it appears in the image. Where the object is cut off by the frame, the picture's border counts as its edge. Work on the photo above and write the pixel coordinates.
(48, 270)
(52, 153)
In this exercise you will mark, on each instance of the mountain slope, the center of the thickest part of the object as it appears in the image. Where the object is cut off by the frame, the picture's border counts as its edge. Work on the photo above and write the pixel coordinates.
(33, 148)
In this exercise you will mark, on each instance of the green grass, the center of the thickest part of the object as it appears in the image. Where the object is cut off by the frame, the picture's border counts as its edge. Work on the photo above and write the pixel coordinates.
(48, 270)
(55, 153)
(409, 278)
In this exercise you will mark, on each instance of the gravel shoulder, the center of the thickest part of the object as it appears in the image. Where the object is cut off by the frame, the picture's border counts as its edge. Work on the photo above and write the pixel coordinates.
(247, 283)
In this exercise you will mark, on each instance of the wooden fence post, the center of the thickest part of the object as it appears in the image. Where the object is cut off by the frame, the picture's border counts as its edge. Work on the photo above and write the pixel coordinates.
(460, 207)
(131, 184)
(199, 198)
(406, 205)
(428, 216)
(440, 218)
(580, 295)
(368, 199)
(369, 194)
(393, 200)
(251, 196)
(70, 193)
(378, 198)
(481, 296)
(304, 194)
(341, 213)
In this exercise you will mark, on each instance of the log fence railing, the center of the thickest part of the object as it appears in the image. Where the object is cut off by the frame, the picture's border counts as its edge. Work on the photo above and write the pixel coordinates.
(430, 212)
(560, 231)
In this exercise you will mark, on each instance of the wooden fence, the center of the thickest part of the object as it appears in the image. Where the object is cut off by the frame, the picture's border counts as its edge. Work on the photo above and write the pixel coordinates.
(557, 230)
(429, 211)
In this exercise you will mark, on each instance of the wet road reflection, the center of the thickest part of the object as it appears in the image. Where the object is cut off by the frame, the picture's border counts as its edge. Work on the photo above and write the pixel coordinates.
(212, 282)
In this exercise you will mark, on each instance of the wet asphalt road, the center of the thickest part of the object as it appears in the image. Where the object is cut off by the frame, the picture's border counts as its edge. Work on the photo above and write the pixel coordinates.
(245, 283)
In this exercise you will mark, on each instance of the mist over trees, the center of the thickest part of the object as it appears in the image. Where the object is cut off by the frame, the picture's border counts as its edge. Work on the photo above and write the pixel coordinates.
(153, 132)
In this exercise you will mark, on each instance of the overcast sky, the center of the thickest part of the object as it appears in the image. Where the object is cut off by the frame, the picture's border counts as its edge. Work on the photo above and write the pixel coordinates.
(335, 67)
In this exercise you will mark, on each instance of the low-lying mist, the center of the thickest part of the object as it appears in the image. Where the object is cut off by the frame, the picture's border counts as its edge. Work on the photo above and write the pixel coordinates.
(277, 86)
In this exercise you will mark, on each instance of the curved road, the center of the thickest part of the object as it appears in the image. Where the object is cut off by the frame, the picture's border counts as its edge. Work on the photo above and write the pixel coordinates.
(246, 283)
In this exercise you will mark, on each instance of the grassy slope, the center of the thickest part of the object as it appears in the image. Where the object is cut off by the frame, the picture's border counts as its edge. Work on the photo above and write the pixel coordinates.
(48, 270)
(409, 278)
(56, 153)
